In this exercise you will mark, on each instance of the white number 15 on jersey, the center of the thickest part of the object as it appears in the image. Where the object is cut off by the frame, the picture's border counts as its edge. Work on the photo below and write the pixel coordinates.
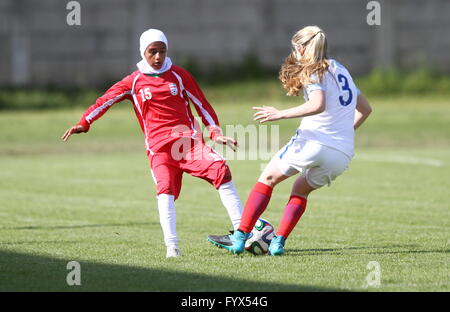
(145, 94)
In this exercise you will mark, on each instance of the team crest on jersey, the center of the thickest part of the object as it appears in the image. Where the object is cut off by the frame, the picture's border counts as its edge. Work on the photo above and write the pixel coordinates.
(173, 88)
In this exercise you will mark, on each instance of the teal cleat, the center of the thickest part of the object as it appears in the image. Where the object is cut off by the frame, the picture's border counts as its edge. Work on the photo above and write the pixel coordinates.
(234, 242)
(276, 247)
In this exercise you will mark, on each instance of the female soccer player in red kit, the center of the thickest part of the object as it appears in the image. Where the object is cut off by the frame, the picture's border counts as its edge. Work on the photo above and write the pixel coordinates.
(161, 93)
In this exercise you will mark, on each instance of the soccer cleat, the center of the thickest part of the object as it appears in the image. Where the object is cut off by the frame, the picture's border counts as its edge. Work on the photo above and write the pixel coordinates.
(173, 252)
(221, 240)
(232, 242)
(276, 247)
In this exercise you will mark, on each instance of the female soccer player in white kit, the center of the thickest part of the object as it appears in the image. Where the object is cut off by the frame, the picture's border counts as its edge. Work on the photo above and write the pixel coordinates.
(322, 147)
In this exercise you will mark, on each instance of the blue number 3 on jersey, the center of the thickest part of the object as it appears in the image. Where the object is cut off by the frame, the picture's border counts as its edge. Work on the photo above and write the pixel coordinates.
(345, 87)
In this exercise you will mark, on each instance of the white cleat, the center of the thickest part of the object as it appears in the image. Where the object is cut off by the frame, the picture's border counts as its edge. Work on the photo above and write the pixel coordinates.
(173, 252)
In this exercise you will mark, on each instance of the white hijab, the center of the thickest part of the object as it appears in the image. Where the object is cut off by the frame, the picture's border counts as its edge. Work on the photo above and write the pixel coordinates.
(148, 37)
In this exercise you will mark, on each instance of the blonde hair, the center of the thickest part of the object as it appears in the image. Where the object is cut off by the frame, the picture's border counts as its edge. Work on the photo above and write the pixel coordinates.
(297, 70)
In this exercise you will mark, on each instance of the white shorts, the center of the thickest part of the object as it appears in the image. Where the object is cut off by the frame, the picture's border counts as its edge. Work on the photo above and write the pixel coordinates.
(319, 163)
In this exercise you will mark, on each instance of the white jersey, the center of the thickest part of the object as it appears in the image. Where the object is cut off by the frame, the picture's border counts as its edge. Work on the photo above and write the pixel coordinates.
(334, 126)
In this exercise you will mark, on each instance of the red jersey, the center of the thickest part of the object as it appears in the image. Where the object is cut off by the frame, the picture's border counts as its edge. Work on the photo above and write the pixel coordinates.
(161, 104)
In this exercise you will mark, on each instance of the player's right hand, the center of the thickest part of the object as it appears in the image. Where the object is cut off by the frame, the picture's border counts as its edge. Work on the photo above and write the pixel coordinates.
(72, 130)
(230, 142)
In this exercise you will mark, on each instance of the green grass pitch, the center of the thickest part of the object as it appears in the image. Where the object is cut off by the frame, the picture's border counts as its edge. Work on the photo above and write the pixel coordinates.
(92, 200)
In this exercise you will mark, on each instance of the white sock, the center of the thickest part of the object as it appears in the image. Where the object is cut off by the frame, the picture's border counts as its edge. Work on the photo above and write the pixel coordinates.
(168, 219)
(232, 202)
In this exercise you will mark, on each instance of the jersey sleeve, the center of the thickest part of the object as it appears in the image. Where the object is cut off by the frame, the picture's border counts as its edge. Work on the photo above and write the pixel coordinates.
(202, 106)
(313, 86)
(118, 92)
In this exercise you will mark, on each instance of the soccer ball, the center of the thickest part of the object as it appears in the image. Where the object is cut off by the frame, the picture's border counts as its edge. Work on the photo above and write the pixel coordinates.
(260, 237)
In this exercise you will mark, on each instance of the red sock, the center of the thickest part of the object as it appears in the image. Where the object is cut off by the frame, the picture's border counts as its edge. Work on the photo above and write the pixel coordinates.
(254, 207)
(292, 213)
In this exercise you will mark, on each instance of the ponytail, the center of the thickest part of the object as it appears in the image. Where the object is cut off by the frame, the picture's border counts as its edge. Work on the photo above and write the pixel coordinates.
(300, 70)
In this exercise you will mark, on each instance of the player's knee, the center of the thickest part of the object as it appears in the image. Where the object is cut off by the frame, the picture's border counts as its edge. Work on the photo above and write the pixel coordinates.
(269, 179)
(168, 189)
(168, 192)
(227, 175)
(303, 194)
(224, 177)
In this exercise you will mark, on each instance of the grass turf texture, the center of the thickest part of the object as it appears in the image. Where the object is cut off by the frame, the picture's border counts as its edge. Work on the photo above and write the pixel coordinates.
(92, 200)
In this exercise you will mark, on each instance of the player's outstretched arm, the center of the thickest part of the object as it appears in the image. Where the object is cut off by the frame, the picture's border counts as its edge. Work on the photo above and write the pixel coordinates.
(315, 105)
(118, 92)
(72, 130)
(363, 110)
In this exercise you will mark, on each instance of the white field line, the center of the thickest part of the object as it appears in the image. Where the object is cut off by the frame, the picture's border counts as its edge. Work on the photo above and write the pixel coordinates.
(400, 159)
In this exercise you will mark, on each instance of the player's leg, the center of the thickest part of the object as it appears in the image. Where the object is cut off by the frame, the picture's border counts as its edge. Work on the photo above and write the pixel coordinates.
(232, 202)
(168, 184)
(278, 170)
(205, 163)
(293, 211)
(305, 157)
(323, 164)
(167, 214)
(167, 219)
(260, 195)
(256, 204)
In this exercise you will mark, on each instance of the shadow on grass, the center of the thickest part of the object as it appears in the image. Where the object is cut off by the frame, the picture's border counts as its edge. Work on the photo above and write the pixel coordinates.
(26, 272)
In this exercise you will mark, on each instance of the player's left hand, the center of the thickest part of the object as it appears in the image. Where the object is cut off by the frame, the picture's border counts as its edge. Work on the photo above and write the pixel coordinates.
(232, 143)
(266, 113)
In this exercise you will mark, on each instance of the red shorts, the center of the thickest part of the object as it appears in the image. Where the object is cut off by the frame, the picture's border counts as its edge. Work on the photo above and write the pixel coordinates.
(187, 155)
